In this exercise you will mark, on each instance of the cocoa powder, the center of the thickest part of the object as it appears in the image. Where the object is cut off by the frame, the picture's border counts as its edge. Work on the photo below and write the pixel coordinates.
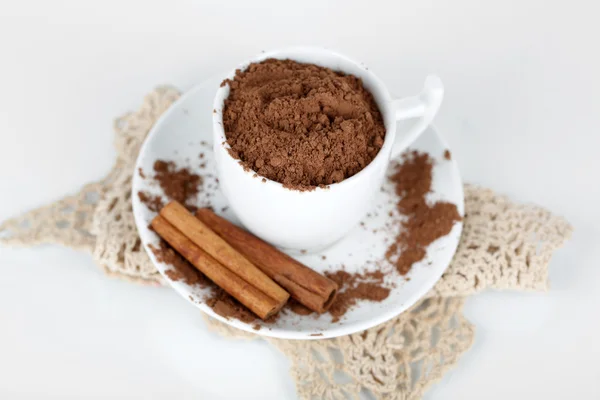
(424, 223)
(220, 301)
(228, 307)
(182, 269)
(354, 287)
(177, 184)
(153, 202)
(300, 124)
(297, 308)
(182, 185)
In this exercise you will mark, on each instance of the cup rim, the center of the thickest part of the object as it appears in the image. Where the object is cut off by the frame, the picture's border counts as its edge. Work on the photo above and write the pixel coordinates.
(222, 139)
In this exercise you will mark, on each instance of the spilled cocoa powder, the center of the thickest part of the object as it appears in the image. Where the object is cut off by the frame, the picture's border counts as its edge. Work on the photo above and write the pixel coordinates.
(182, 270)
(228, 307)
(355, 287)
(300, 124)
(153, 202)
(424, 223)
(297, 308)
(182, 185)
(178, 184)
(447, 155)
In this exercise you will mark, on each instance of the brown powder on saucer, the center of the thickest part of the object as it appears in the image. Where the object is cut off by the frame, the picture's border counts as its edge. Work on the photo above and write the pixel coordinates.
(424, 223)
(154, 203)
(177, 184)
(228, 307)
(354, 287)
(182, 269)
(297, 308)
(219, 300)
(447, 155)
(300, 124)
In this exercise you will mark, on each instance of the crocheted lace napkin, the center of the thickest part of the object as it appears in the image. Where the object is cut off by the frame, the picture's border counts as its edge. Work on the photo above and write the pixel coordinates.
(503, 246)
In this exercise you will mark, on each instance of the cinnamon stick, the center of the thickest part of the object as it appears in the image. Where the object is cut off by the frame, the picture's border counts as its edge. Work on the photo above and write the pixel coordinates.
(178, 216)
(307, 286)
(258, 302)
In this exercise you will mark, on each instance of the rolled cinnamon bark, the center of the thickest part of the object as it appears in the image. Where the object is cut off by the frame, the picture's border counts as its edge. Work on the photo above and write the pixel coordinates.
(307, 286)
(257, 301)
(178, 216)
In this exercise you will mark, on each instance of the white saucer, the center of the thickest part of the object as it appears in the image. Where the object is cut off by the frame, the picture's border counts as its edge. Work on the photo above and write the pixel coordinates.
(184, 131)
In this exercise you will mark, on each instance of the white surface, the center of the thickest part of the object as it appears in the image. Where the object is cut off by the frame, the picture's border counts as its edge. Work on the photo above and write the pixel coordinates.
(521, 113)
(330, 213)
(184, 132)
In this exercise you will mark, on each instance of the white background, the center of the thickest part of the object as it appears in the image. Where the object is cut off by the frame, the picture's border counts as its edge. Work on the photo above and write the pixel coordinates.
(521, 114)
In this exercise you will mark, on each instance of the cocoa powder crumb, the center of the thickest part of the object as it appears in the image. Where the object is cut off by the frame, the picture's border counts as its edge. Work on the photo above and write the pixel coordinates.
(447, 155)
(153, 202)
(141, 172)
(424, 223)
(297, 308)
(354, 287)
(228, 307)
(220, 301)
(178, 184)
(300, 124)
(256, 327)
(316, 334)
(182, 269)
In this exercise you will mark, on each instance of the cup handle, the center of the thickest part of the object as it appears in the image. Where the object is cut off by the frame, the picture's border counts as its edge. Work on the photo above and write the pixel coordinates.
(424, 106)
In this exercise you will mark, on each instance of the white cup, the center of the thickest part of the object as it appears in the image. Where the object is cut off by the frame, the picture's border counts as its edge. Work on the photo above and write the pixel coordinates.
(313, 220)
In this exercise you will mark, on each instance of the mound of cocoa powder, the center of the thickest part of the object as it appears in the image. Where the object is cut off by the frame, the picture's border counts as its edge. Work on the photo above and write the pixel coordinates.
(300, 124)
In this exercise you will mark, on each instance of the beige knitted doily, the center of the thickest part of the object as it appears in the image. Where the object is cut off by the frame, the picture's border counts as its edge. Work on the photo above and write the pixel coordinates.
(503, 246)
